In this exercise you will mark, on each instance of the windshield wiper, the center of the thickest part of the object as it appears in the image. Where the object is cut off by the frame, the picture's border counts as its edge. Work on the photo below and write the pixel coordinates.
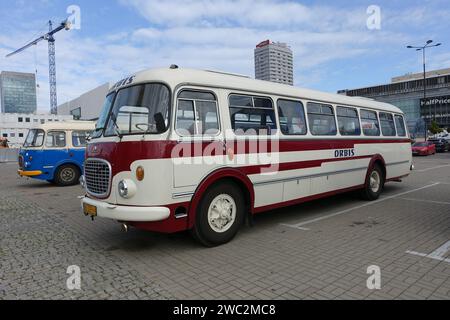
(116, 126)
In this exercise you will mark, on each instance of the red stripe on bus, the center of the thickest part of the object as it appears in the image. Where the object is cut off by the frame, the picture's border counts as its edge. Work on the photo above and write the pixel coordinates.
(122, 154)
(285, 166)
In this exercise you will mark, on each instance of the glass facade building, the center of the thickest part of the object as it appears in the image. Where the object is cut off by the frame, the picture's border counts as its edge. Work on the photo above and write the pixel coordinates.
(407, 93)
(17, 92)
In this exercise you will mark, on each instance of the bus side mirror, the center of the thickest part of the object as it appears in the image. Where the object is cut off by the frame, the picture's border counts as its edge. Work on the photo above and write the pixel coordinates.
(160, 123)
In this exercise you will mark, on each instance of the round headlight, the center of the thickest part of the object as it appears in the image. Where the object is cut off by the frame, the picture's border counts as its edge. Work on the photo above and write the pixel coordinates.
(123, 189)
(83, 181)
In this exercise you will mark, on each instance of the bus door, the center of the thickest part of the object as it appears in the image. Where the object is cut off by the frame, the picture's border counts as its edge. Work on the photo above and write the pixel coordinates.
(200, 138)
(56, 150)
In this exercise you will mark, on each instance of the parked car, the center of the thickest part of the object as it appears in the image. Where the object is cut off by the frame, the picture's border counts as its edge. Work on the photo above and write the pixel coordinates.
(442, 145)
(423, 148)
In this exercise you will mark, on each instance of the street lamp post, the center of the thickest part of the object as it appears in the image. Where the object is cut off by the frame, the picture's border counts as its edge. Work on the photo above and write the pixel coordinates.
(422, 48)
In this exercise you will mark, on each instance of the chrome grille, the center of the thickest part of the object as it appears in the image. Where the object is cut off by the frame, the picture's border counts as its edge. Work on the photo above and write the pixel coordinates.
(97, 174)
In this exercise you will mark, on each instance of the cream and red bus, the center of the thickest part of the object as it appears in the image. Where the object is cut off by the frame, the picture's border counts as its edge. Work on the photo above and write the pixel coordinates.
(180, 149)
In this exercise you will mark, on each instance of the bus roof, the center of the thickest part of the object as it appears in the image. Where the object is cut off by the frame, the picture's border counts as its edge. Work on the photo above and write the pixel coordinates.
(177, 76)
(66, 125)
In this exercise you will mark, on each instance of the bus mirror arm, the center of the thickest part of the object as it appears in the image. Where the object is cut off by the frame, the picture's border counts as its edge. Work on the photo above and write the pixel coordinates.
(160, 122)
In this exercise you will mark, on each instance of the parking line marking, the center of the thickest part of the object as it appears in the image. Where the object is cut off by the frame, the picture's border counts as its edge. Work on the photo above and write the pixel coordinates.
(293, 226)
(429, 201)
(301, 224)
(437, 254)
(432, 168)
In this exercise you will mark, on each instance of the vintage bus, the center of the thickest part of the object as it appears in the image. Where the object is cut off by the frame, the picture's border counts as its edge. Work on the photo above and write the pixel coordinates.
(179, 149)
(54, 151)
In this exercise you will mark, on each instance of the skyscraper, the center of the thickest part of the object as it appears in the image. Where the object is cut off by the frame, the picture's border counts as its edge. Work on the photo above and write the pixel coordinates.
(17, 92)
(273, 62)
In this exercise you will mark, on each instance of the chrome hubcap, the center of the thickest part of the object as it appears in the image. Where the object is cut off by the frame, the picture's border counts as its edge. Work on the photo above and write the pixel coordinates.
(222, 213)
(375, 181)
(67, 174)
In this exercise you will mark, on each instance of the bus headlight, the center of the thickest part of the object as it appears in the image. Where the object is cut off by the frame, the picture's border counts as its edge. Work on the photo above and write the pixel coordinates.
(83, 182)
(123, 189)
(127, 188)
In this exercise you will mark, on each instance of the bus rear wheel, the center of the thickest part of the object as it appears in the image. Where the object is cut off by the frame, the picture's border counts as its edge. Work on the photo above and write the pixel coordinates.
(374, 183)
(220, 215)
(67, 175)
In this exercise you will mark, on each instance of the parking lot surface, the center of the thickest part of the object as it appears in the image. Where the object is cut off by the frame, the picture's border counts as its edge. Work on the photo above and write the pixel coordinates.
(317, 250)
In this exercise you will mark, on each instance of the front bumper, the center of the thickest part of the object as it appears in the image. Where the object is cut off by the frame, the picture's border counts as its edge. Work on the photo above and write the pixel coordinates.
(127, 213)
(24, 173)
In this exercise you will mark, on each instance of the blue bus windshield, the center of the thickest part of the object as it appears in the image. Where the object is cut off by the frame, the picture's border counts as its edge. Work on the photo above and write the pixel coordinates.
(35, 138)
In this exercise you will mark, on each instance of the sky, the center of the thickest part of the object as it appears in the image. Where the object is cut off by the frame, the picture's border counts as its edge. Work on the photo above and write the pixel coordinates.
(334, 46)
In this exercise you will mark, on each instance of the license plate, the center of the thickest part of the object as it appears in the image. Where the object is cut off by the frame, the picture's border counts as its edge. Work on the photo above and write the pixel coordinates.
(89, 210)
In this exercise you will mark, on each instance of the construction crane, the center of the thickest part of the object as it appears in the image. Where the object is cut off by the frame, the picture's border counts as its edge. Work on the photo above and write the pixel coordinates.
(51, 58)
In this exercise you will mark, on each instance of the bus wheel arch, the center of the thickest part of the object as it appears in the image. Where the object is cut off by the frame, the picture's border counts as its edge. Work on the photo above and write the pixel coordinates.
(67, 174)
(223, 176)
(376, 172)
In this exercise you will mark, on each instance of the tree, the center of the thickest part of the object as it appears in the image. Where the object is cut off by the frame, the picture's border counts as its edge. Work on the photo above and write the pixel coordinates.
(434, 128)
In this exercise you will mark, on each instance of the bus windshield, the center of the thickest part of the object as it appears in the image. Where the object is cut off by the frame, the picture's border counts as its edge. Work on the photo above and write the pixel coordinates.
(101, 122)
(35, 138)
(139, 109)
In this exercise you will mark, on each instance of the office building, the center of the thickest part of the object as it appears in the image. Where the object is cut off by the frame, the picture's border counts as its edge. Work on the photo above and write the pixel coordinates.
(406, 92)
(274, 62)
(17, 92)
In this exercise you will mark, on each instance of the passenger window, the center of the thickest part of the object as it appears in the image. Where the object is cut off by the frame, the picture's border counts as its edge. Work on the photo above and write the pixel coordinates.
(79, 138)
(369, 123)
(400, 124)
(197, 114)
(55, 139)
(252, 115)
(321, 119)
(348, 121)
(292, 117)
(387, 124)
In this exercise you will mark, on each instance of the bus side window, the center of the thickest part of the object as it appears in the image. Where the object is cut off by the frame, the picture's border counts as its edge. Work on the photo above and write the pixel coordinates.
(387, 124)
(292, 117)
(369, 123)
(348, 121)
(321, 119)
(55, 139)
(79, 138)
(252, 115)
(400, 124)
(197, 114)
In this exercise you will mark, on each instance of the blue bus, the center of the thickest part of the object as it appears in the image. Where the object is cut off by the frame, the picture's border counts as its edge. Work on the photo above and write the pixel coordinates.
(55, 152)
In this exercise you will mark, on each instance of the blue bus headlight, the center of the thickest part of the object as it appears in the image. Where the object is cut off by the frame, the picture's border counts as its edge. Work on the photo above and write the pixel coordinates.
(127, 188)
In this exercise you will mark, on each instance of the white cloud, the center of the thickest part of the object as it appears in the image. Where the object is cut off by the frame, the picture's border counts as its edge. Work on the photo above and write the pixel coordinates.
(248, 13)
(210, 34)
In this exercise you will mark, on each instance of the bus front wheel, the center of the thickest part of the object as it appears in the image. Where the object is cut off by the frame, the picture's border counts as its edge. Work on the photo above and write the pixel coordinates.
(374, 183)
(220, 215)
(67, 175)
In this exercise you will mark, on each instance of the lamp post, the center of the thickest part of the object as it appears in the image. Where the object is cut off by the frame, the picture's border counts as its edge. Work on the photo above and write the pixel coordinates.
(422, 48)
